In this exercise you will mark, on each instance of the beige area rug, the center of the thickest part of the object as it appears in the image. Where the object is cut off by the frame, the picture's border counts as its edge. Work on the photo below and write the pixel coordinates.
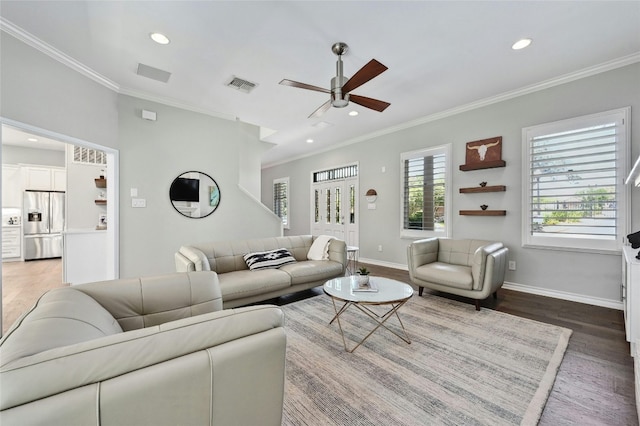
(463, 367)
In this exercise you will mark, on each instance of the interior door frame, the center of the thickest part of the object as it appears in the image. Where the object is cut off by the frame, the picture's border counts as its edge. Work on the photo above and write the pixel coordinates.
(345, 202)
(113, 209)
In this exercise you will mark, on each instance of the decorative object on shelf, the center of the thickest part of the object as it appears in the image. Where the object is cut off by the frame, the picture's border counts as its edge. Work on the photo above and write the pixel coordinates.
(634, 239)
(483, 184)
(101, 183)
(483, 154)
(484, 206)
(102, 222)
(371, 195)
(194, 194)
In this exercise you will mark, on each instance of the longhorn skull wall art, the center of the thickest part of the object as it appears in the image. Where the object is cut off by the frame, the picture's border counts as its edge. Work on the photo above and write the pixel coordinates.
(484, 150)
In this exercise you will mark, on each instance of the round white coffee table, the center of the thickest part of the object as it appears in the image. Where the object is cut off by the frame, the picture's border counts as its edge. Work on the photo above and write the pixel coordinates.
(389, 292)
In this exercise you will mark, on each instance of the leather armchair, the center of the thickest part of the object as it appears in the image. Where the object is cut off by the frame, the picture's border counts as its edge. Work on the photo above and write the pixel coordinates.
(469, 268)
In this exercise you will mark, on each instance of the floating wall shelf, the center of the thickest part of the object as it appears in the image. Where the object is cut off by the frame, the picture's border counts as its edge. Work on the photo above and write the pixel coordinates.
(101, 202)
(101, 183)
(483, 165)
(483, 212)
(494, 188)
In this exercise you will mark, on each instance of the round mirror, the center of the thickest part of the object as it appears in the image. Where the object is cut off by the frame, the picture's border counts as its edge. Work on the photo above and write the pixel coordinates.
(194, 194)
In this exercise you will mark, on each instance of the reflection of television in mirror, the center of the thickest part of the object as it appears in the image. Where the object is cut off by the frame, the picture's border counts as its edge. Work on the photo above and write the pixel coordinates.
(185, 189)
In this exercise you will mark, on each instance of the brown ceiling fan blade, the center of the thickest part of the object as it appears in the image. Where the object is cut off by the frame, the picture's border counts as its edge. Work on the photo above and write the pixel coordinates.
(372, 69)
(299, 85)
(369, 102)
(321, 110)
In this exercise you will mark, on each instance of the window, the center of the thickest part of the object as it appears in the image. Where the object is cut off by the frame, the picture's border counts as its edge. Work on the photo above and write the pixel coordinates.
(574, 196)
(281, 200)
(426, 177)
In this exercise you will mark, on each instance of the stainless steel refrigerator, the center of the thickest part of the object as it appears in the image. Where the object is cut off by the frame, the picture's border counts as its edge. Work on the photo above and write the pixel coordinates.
(43, 223)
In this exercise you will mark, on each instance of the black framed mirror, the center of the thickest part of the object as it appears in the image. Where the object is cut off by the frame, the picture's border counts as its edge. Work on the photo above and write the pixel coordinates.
(194, 194)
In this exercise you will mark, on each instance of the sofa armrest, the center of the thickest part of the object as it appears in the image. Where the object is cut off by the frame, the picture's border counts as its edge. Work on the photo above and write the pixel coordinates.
(189, 258)
(148, 301)
(66, 368)
(480, 270)
(338, 252)
(421, 252)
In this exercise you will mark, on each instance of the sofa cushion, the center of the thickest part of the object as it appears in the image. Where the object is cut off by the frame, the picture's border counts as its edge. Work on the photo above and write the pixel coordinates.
(457, 276)
(61, 317)
(268, 259)
(312, 270)
(239, 284)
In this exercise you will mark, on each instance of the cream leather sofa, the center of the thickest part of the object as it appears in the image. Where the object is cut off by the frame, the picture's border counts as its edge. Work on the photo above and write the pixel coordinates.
(149, 351)
(241, 286)
(469, 268)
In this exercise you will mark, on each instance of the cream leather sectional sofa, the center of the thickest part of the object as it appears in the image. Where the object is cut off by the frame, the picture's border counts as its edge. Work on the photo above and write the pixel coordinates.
(149, 351)
(241, 286)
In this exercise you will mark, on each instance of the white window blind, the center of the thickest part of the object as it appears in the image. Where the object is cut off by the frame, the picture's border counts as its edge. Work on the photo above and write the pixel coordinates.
(281, 200)
(425, 188)
(575, 197)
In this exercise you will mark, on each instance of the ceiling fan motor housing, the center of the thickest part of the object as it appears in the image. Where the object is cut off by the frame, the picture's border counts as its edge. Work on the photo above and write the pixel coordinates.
(338, 99)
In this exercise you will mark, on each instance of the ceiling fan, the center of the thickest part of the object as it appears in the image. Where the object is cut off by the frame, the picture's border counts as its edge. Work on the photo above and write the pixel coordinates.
(341, 86)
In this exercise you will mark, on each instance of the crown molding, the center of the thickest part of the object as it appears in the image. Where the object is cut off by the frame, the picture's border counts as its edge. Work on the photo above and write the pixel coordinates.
(33, 41)
(556, 81)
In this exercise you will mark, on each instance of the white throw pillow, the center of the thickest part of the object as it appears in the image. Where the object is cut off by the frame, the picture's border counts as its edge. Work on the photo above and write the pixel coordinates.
(319, 250)
(268, 259)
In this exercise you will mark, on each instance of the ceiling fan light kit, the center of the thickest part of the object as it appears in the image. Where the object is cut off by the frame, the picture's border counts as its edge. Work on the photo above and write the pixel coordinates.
(341, 87)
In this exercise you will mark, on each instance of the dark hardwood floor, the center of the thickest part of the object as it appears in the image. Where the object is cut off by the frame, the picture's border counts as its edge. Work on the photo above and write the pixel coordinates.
(595, 383)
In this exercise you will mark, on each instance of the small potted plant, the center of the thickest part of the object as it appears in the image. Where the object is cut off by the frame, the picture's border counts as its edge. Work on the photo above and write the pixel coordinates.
(364, 276)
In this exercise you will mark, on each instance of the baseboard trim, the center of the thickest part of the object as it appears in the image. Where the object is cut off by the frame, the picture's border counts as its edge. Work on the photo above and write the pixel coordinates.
(556, 294)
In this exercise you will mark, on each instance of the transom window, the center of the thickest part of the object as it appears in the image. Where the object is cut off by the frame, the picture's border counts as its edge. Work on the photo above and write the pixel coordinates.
(574, 194)
(426, 177)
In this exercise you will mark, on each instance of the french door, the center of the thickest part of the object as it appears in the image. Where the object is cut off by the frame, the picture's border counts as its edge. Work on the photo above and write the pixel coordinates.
(335, 209)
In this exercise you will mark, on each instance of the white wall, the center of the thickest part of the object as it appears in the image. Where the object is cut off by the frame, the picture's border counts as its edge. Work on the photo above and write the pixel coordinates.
(42, 92)
(82, 211)
(152, 154)
(592, 275)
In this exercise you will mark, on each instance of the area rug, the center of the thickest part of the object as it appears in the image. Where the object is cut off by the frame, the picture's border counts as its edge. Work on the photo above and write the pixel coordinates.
(463, 367)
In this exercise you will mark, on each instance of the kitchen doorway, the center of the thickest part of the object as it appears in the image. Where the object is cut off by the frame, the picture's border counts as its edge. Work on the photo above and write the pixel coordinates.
(50, 272)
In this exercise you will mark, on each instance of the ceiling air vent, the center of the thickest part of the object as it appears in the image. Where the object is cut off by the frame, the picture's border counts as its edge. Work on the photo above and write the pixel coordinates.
(153, 73)
(241, 84)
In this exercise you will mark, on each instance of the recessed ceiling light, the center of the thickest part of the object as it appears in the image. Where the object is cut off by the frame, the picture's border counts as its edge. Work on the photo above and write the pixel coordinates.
(32, 139)
(353, 113)
(309, 140)
(521, 44)
(159, 38)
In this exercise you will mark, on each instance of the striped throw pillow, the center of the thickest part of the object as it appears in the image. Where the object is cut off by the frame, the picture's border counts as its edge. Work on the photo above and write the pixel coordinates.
(268, 259)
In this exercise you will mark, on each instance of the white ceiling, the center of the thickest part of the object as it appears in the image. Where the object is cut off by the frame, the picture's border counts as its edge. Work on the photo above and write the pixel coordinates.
(441, 55)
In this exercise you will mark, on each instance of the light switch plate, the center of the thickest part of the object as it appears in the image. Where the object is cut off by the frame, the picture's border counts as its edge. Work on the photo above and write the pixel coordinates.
(138, 202)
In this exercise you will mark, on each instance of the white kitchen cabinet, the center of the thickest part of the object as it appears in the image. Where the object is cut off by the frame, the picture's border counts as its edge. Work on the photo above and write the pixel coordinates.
(11, 244)
(45, 178)
(11, 186)
(58, 179)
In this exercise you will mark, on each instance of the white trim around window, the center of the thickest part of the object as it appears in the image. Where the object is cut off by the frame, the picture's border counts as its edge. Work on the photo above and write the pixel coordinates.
(414, 222)
(574, 197)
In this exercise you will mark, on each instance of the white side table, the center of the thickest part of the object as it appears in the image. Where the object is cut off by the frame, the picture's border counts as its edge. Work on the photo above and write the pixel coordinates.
(352, 260)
